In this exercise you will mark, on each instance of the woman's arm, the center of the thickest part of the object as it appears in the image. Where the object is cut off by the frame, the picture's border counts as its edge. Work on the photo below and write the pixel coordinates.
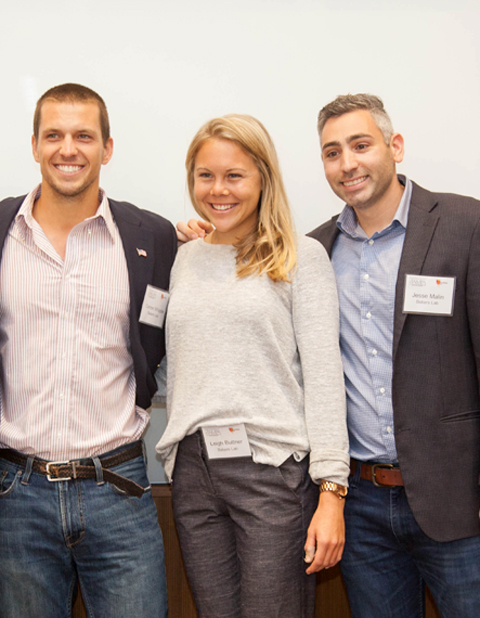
(315, 316)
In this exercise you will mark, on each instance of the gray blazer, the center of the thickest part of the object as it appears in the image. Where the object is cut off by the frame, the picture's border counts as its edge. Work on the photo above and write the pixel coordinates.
(436, 362)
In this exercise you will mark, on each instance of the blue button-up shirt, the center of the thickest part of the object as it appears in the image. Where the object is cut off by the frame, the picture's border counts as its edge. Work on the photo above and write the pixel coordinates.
(366, 270)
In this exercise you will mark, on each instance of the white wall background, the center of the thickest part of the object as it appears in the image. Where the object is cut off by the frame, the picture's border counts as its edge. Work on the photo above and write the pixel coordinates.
(164, 68)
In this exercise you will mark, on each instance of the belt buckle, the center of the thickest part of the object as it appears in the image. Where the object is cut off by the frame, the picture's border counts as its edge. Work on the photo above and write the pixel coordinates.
(374, 472)
(56, 479)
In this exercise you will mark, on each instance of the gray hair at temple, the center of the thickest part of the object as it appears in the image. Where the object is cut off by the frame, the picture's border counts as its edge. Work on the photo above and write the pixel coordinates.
(346, 103)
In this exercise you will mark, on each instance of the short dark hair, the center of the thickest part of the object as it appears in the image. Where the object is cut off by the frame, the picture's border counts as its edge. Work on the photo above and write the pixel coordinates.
(346, 103)
(73, 93)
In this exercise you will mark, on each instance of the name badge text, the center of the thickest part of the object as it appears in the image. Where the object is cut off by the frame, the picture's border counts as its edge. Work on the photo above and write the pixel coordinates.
(429, 295)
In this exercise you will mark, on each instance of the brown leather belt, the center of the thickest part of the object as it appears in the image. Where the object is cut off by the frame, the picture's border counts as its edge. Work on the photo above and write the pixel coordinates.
(83, 468)
(381, 475)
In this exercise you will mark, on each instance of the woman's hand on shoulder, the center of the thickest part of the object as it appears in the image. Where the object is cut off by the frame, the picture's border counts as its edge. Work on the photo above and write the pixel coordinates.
(195, 228)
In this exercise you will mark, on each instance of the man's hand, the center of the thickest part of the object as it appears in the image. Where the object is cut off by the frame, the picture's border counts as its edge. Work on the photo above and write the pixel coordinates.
(195, 228)
(326, 533)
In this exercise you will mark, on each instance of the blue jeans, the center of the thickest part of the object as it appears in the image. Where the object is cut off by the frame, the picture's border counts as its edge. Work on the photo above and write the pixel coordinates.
(55, 534)
(388, 558)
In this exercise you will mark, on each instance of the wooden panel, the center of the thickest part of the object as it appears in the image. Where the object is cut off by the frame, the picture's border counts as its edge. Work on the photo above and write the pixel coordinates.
(432, 611)
(180, 599)
(331, 599)
(79, 608)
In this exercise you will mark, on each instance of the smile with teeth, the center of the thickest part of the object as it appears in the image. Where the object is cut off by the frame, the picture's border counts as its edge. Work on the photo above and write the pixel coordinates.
(69, 169)
(352, 183)
(222, 206)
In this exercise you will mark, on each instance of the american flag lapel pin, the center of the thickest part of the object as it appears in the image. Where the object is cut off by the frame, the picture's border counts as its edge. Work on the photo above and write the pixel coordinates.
(141, 252)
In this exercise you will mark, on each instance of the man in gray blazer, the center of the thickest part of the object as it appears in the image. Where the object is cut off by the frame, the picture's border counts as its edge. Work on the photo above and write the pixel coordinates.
(407, 263)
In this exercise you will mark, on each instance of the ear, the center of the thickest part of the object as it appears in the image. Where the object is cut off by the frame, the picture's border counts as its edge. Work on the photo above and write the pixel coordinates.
(108, 151)
(34, 149)
(397, 147)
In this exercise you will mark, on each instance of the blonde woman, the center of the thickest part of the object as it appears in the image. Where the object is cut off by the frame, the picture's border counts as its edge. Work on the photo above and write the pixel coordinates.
(255, 395)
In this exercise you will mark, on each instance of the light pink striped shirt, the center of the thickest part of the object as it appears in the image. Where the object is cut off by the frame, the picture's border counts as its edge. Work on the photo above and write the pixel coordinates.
(68, 389)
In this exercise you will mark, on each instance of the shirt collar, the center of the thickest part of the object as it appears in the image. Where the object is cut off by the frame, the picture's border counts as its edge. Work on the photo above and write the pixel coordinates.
(347, 220)
(25, 218)
(104, 212)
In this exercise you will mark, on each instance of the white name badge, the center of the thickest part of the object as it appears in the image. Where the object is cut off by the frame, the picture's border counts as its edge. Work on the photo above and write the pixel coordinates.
(429, 295)
(226, 442)
(154, 306)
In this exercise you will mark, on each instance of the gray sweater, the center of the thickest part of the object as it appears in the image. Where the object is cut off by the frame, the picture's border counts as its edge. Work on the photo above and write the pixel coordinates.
(257, 352)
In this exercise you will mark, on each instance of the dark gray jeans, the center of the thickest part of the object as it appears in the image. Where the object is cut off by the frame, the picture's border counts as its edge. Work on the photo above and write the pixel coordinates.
(242, 528)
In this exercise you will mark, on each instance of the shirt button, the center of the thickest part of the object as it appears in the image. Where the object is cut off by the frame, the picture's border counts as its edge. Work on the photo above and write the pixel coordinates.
(389, 430)
(382, 390)
(62, 395)
(66, 315)
(370, 242)
(369, 315)
(374, 352)
(366, 277)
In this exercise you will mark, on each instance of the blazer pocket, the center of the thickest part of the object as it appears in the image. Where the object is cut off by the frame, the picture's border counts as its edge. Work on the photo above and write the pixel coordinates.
(469, 415)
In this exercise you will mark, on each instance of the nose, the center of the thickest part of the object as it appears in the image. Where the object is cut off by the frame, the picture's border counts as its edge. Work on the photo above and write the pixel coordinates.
(68, 147)
(218, 187)
(349, 161)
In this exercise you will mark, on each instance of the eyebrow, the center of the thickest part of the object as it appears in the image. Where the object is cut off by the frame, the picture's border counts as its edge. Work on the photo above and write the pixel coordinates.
(350, 138)
(231, 169)
(53, 129)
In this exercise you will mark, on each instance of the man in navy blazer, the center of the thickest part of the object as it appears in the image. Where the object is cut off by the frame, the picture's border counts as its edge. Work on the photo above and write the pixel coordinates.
(407, 263)
(76, 267)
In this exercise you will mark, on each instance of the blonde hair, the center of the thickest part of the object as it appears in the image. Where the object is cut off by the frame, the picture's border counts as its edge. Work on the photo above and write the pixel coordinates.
(270, 247)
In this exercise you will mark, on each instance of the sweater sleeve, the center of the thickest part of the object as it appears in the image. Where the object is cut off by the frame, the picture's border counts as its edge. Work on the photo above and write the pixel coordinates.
(316, 324)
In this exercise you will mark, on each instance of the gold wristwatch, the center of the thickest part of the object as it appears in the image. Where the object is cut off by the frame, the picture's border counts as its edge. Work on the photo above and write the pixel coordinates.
(340, 490)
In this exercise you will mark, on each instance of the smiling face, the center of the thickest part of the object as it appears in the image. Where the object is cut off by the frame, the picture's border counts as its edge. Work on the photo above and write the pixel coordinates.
(227, 188)
(359, 165)
(70, 148)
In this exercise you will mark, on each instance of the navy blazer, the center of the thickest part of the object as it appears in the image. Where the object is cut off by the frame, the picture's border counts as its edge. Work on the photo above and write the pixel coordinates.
(139, 229)
(436, 362)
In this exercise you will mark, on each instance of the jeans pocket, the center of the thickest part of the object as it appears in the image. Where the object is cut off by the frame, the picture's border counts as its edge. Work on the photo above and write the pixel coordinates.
(134, 470)
(8, 480)
(118, 491)
(126, 494)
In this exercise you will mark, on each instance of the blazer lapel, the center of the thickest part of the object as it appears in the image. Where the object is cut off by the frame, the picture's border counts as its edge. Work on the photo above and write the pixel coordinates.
(8, 210)
(420, 229)
(139, 253)
(327, 234)
(331, 236)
